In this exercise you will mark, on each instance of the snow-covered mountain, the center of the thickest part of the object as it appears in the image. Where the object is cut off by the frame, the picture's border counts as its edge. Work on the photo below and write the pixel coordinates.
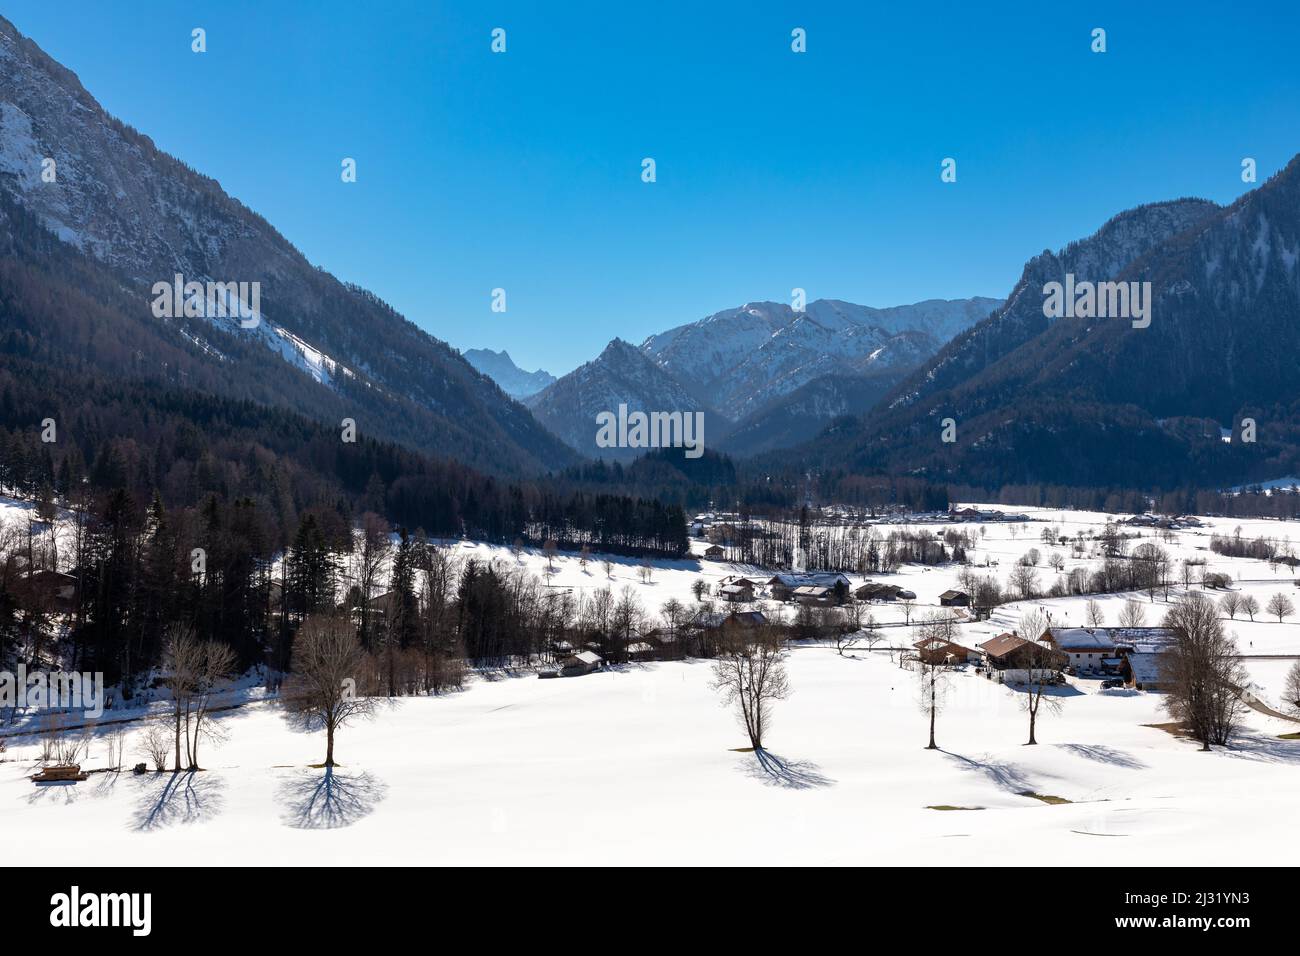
(739, 360)
(143, 217)
(501, 368)
(622, 374)
(767, 375)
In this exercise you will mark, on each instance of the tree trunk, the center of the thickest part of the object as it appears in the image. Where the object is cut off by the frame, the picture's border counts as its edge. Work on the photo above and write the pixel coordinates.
(932, 743)
(329, 745)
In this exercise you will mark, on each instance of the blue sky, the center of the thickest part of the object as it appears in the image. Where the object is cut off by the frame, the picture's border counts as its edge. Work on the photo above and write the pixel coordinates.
(775, 169)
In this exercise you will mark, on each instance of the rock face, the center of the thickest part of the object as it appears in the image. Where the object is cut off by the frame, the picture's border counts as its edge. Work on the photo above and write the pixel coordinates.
(144, 217)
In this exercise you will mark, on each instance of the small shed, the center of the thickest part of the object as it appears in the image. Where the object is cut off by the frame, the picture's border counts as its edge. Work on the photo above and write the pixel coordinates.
(951, 598)
(584, 662)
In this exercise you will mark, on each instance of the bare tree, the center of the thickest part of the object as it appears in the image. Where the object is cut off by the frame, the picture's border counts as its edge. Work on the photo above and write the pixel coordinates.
(375, 548)
(646, 571)
(608, 567)
(1093, 615)
(1042, 664)
(907, 604)
(327, 658)
(550, 549)
(1201, 673)
(750, 673)
(934, 686)
(699, 587)
(1132, 614)
(1024, 581)
(216, 663)
(182, 661)
(1230, 604)
(1249, 606)
(1291, 689)
(1280, 605)
(154, 744)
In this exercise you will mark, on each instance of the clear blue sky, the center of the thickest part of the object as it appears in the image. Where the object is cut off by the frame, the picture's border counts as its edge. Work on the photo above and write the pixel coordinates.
(775, 170)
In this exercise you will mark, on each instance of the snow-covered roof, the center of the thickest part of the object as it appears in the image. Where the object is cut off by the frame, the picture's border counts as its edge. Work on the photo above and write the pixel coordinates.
(588, 657)
(1082, 638)
(1145, 668)
(794, 579)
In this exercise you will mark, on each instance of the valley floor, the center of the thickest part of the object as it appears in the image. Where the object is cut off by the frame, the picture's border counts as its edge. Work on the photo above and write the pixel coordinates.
(638, 765)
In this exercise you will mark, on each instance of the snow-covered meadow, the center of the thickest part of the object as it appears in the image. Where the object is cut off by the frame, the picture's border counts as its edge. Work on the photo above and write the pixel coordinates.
(641, 764)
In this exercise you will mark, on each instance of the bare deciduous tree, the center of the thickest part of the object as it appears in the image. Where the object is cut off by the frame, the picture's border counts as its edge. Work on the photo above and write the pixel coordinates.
(1230, 604)
(1201, 674)
(1132, 614)
(1291, 689)
(193, 668)
(1093, 615)
(750, 673)
(1249, 606)
(1280, 605)
(154, 745)
(321, 688)
(933, 677)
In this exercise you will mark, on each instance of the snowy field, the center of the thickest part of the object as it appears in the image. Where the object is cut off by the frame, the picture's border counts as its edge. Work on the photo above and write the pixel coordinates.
(639, 764)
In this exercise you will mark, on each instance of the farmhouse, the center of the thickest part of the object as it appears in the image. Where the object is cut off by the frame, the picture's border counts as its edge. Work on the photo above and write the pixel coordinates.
(1095, 651)
(714, 552)
(1089, 650)
(736, 592)
(813, 595)
(938, 651)
(952, 598)
(1142, 669)
(1010, 652)
(875, 591)
(782, 586)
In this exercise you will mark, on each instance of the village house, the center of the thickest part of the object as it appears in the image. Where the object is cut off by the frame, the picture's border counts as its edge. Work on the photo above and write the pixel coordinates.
(734, 593)
(51, 590)
(936, 650)
(714, 552)
(1101, 651)
(876, 591)
(782, 586)
(1089, 650)
(1010, 653)
(813, 595)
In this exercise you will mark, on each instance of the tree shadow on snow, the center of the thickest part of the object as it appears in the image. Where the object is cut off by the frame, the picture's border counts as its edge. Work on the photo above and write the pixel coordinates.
(791, 774)
(1251, 745)
(327, 799)
(1103, 754)
(1005, 775)
(169, 799)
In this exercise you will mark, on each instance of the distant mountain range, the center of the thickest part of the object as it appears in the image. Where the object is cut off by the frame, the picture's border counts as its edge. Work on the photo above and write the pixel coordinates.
(513, 380)
(87, 239)
(130, 216)
(765, 375)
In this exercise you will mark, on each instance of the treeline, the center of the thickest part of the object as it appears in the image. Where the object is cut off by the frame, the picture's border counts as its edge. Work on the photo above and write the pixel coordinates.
(790, 540)
(187, 447)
